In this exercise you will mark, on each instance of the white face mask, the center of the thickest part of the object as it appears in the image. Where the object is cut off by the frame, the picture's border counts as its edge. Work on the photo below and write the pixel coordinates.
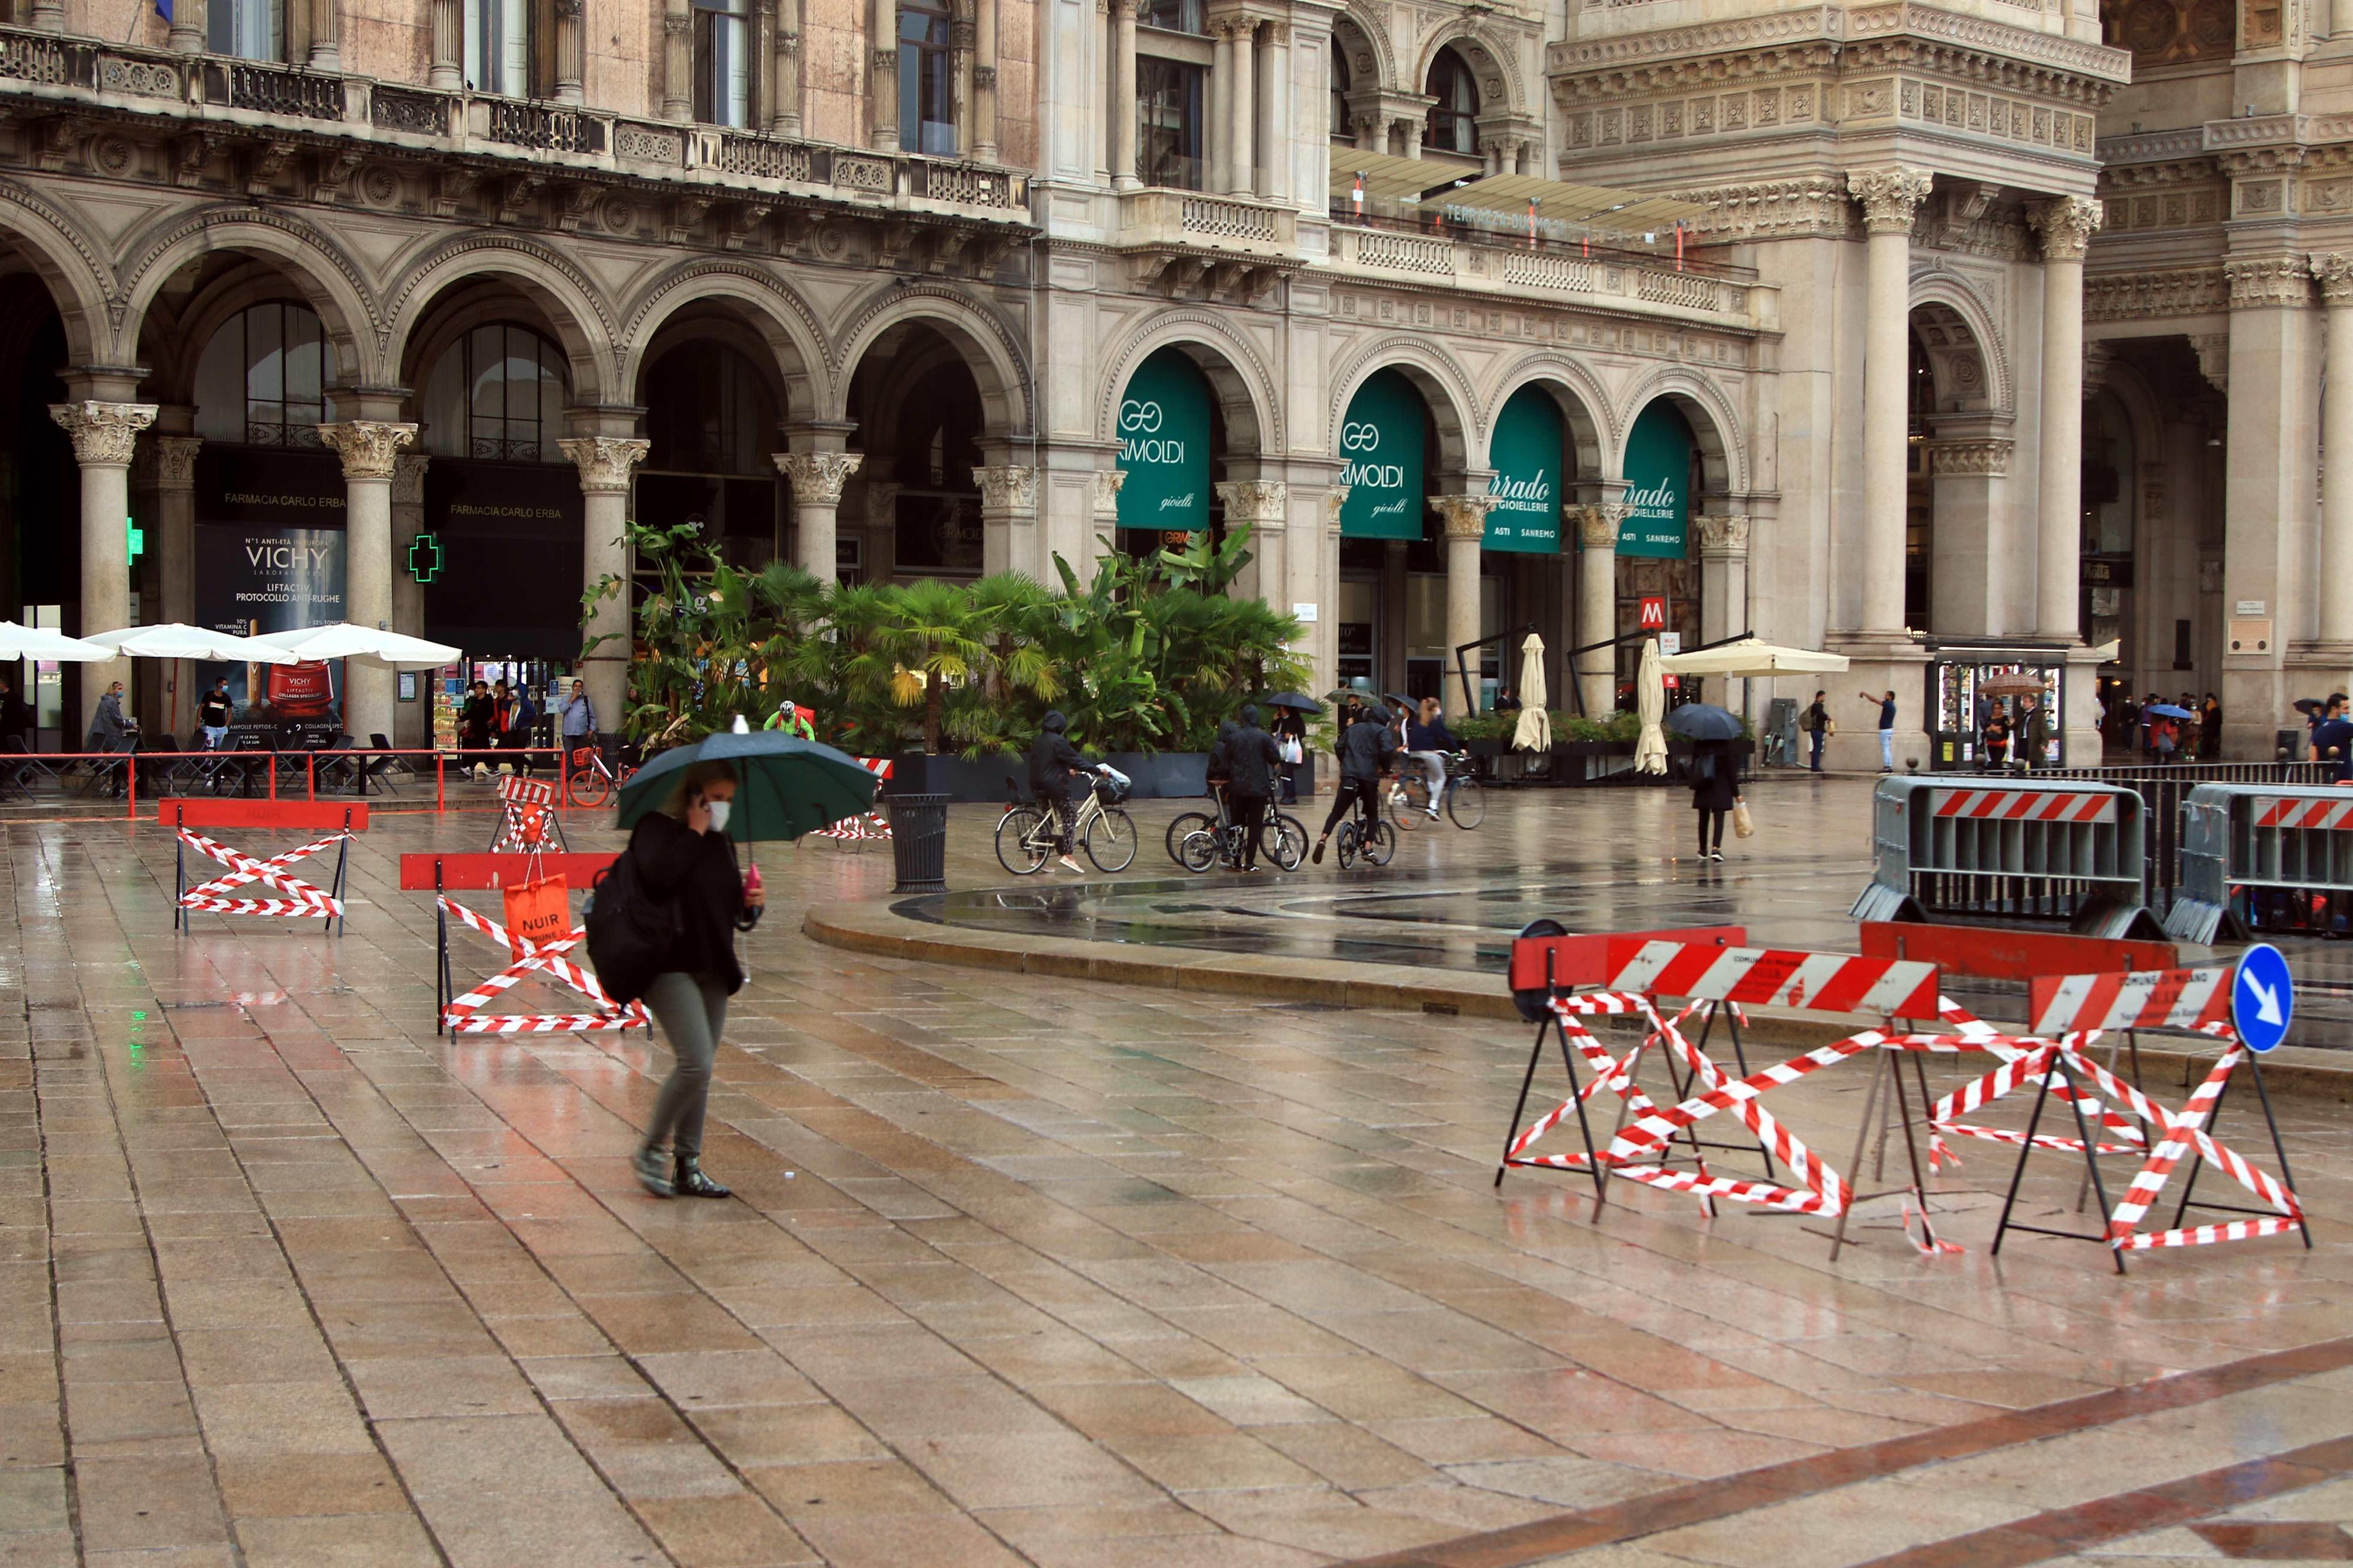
(718, 809)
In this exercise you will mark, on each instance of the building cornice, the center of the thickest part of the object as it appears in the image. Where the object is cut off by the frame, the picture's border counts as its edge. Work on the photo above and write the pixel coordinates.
(1838, 28)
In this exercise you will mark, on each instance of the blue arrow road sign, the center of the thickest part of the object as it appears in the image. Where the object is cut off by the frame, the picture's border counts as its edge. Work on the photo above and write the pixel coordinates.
(2263, 997)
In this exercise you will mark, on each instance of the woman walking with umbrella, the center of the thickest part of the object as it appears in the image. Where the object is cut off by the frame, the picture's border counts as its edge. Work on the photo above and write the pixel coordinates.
(1715, 781)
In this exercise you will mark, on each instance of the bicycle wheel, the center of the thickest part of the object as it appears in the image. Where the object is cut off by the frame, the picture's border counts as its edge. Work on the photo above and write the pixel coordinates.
(1408, 802)
(1018, 849)
(1200, 850)
(1182, 825)
(1466, 803)
(1380, 843)
(589, 786)
(1286, 840)
(1111, 840)
(1346, 845)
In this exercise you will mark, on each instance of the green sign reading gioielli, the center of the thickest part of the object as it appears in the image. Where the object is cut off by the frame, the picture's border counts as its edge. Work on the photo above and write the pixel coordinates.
(1382, 446)
(1163, 446)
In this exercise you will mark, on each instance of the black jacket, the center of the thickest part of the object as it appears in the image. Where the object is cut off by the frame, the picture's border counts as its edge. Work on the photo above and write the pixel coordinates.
(1714, 776)
(1221, 752)
(1051, 758)
(474, 720)
(1366, 748)
(1251, 762)
(697, 872)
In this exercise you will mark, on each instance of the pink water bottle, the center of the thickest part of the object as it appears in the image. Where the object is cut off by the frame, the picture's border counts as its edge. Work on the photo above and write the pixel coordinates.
(752, 881)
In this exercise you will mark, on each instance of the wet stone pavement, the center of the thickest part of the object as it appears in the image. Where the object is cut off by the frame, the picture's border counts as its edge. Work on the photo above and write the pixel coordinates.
(1049, 1273)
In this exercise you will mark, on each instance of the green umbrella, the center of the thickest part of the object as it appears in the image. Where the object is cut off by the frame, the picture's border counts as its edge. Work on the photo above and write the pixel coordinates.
(786, 785)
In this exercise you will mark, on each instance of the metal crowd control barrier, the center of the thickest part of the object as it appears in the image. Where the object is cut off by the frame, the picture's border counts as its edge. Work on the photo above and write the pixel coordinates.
(2164, 790)
(2264, 858)
(2009, 849)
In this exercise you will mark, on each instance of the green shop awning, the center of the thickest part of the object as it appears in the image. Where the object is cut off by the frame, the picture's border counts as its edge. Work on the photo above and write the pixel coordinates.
(1384, 442)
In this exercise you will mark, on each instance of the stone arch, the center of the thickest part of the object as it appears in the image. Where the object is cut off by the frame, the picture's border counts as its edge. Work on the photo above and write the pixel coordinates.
(1434, 373)
(1369, 54)
(1715, 427)
(574, 308)
(989, 348)
(1490, 59)
(1237, 373)
(1585, 409)
(1954, 325)
(762, 301)
(72, 267)
(328, 278)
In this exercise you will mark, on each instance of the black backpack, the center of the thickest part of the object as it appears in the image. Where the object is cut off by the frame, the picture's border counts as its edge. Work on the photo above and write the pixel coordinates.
(631, 935)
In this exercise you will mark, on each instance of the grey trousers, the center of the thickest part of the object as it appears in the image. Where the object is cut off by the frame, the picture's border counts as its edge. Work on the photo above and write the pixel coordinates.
(691, 1010)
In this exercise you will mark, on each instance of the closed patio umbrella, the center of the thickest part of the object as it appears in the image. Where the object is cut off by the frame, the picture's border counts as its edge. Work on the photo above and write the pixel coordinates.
(1650, 692)
(1534, 733)
(177, 640)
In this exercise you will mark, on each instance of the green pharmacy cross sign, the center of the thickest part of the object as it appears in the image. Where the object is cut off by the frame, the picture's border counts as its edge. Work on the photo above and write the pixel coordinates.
(134, 539)
(424, 558)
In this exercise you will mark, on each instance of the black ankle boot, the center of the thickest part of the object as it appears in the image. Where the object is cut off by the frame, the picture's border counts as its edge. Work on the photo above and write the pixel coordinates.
(691, 1183)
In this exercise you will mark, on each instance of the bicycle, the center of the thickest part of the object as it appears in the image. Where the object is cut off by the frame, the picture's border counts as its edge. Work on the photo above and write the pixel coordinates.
(1025, 834)
(1366, 834)
(590, 780)
(1281, 827)
(1465, 801)
(1284, 840)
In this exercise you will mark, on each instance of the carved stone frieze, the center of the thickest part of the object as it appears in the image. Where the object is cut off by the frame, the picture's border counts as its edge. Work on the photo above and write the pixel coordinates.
(2268, 282)
(2335, 273)
(2146, 296)
(1773, 209)
(1984, 458)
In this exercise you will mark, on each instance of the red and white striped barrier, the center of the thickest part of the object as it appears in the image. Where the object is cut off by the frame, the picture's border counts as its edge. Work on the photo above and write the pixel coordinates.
(2147, 999)
(463, 1014)
(1816, 982)
(527, 821)
(2025, 805)
(2291, 811)
(2183, 1133)
(301, 899)
(873, 826)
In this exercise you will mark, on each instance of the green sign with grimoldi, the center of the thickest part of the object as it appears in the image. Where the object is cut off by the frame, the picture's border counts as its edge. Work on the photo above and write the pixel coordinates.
(1163, 446)
(1525, 453)
(1658, 479)
(1382, 444)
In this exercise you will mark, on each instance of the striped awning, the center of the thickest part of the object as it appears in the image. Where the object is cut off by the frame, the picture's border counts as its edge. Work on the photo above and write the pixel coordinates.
(1596, 207)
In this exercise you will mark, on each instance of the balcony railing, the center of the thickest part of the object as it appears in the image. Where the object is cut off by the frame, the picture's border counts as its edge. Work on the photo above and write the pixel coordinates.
(1492, 264)
(541, 127)
(274, 89)
(1189, 219)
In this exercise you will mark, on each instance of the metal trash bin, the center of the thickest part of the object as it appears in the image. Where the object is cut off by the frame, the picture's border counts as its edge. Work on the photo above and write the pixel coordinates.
(919, 842)
(2292, 745)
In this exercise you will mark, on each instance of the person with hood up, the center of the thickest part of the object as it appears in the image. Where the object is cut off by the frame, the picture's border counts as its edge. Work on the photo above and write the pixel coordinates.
(1220, 767)
(1251, 759)
(1052, 760)
(1366, 750)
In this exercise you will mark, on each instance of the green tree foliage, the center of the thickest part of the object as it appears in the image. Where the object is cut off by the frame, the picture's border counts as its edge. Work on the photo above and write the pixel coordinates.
(1147, 656)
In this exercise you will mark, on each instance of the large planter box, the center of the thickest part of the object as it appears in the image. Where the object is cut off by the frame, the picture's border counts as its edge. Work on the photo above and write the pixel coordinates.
(1163, 775)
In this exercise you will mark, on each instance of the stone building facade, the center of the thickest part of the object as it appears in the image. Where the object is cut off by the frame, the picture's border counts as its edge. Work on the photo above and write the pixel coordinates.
(1932, 363)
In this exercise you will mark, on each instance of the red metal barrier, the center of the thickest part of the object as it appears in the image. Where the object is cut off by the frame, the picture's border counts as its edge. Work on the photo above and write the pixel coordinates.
(1982, 952)
(429, 872)
(266, 765)
(180, 810)
(1541, 963)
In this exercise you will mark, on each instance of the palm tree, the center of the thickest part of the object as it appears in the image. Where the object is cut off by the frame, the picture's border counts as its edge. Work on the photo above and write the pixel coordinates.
(1015, 608)
(936, 636)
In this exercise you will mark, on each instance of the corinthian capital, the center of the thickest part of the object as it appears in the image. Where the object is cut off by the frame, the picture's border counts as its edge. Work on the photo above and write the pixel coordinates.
(2335, 272)
(2066, 226)
(1464, 517)
(1257, 501)
(1596, 529)
(175, 460)
(2268, 282)
(1889, 197)
(605, 461)
(1722, 537)
(817, 476)
(1007, 487)
(367, 446)
(1333, 499)
(103, 432)
(1107, 486)
(408, 478)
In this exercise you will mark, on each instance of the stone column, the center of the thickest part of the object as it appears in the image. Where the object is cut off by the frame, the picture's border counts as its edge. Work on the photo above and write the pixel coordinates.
(1464, 519)
(677, 77)
(1279, 129)
(882, 75)
(103, 435)
(447, 73)
(2336, 275)
(175, 543)
(326, 29)
(1009, 497)
(1241, 105)
(1889, 198)
(785, 107)
(1723, 576)
(984, 83)
(1122, 95)
(412, 723)
(1264, 504)
(605, 462)
(1970, 575)
(1102, 536)
(188, 28)
(1217, 133)
(2270, 525)
(818, 479)
(2066, 226)
(1327, 638)
(882, 531)
(571, 49)
(367, 447)
(1597, 605)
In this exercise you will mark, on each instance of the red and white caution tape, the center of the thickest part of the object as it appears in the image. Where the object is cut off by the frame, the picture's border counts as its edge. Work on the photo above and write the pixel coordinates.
(1817, 982)
(873, 825)
(2182, 1133)
(463, 1014)
(301, 899)
(526, 816)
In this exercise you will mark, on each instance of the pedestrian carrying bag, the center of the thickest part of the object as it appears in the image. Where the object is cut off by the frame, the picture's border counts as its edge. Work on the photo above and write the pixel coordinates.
(1288, 749)
(631, 935)
(1830, 726)
(1742, 824)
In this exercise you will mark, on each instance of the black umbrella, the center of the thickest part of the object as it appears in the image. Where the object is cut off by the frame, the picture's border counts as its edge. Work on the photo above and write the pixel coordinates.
(2307, 705)
(1400, 699)
(1703, 721)
(1295, 702)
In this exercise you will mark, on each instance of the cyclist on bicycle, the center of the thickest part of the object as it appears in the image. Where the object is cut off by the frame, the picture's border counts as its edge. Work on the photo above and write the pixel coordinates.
(1052, 760)
(1251, 759)
(1426, 741)
(1366, 752)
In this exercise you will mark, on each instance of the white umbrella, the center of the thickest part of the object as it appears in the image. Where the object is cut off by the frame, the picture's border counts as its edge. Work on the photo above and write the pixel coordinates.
(1534, 733)
(369, 644)
(1651, 690)
(1751, 658)
(39, 643)
(178, 640)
